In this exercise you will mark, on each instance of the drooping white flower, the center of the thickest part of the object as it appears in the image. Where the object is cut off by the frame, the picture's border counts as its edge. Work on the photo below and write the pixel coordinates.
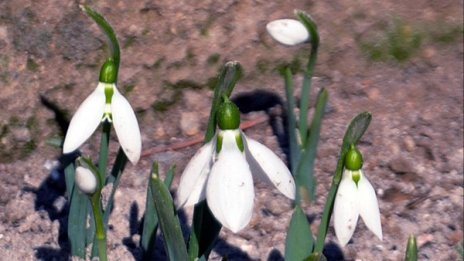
(85, 180)
(288, 31)
(355, 197)
(105, 103)
(222, 172)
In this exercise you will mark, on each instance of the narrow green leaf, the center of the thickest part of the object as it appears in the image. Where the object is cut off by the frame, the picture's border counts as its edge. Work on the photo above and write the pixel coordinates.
(316, 257)
(411, 249)
(55, 142)
(299, 243)
(168, 219)
(115, 178)
(205, 230)
(311, 26)
(357, 128)
(227, 79)
(170, 176)
(295, 151)
(109, 32)
(77, 219)
(69, 177)
(305, 180)
(104, 146)
(353, 134)
(150, 220)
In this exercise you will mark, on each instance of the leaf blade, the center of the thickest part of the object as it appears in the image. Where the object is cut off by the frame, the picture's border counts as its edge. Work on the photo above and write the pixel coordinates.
(305, 180)
(299, 242)
(168, 220)
(77, 219)
(150, 220)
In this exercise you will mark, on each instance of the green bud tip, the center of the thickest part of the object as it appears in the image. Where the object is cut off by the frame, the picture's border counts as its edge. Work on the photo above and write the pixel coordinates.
(228, 115)
(353, 159)
(108, 72)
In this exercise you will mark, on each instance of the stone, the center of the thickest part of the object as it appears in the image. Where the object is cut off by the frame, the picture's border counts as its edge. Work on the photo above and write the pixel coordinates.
(189, 123)
(401, 165)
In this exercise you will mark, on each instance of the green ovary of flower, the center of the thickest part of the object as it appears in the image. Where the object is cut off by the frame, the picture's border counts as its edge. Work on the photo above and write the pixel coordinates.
(228, 116)
(353, 159)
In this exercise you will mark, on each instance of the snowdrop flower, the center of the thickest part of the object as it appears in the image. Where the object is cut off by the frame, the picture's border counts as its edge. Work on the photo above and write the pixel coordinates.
(288, 31)
(105, 103)
(85, 180)
(221, 171)
(355, 197)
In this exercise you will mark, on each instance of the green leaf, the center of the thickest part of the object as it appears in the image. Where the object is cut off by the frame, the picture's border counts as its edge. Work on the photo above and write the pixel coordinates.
(353, 134)
(115, 178)
(55, 142)
(228, 77)
(109, 32)
(104, 146)
(150, 220)
(311, 26)
(295, 151)
(299, 243)
(305, 180)
(168, 219)
(205, 230)
(411, 249)
(77, 219)
(316, 257)
(357, 128)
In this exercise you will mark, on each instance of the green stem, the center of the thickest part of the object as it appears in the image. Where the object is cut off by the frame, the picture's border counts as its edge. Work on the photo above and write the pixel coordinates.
(311, 26)
(100, 226)
(324, 226)
(306, 90)
(109, 32)
(104, 144)
(295, 151)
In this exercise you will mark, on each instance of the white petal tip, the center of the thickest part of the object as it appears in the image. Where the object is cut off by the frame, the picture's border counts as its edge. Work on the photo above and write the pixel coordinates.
(266, 165)
(67, 149)
(133, 157)
(288, 31)
(229, 189)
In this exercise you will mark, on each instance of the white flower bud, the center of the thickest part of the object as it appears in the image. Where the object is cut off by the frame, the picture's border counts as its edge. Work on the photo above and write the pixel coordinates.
(288, 31)
(85, 180)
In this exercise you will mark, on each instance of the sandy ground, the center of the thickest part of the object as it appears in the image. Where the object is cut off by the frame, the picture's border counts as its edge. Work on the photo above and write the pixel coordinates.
(400, 60)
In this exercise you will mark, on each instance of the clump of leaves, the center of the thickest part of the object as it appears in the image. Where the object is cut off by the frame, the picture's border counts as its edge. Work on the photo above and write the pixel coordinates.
(398, 42)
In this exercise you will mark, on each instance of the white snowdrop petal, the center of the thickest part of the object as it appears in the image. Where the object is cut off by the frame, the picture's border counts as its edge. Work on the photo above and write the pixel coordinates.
(288, 31)
(229, 189)
(192, 183)
(229, 141)
(86, 120)
(369, 207)
(85, 180)
(345, 211)
(265, 163)
(126, 127)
